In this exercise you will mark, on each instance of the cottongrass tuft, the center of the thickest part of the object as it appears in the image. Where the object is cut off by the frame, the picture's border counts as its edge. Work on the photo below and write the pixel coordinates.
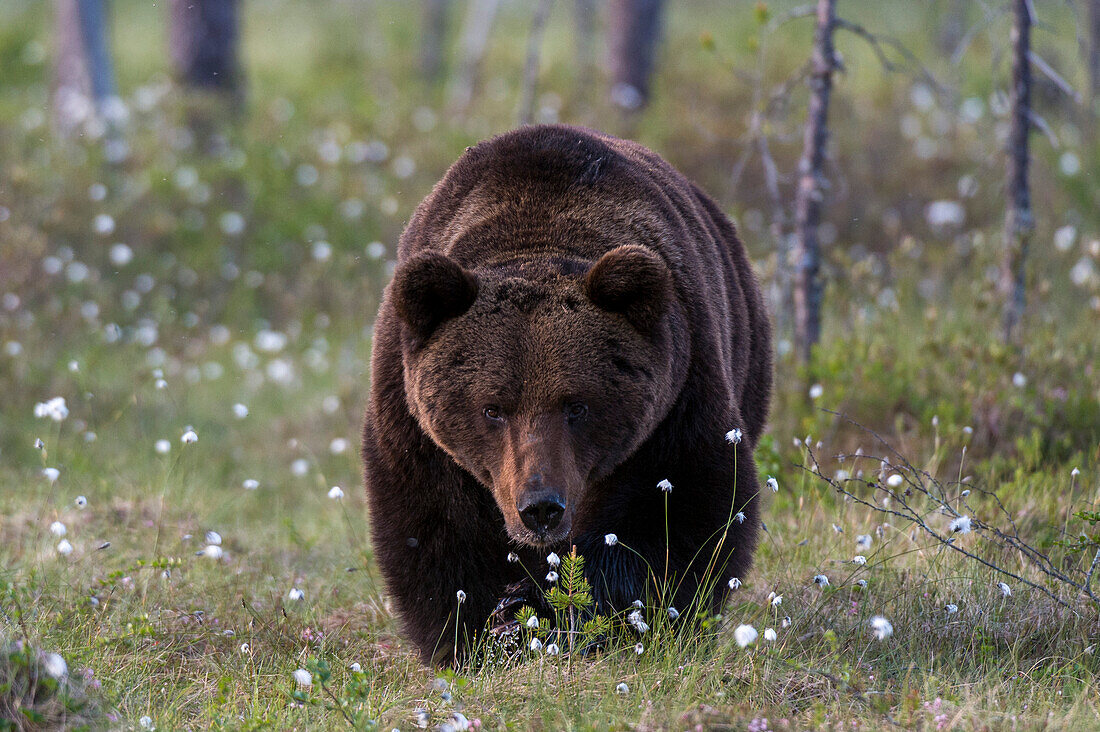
(673, 613)
(739, 517)
(951, 608)
(635, 619)
(162, 447)
(532, 622)
(744, 635)
(460, 596)
(734, 436)
(960, 525)
(189, 437)
(770, 635)
(863, 542)
(881, 627)
(821, 580)
(773, 484)
(58, 529)
(895, 480)
(336, 493)
(622, 688)
(303, 677)
(536, 645)
(146, 722)
(251, 484)
(610, 539)
(211, 551)
(51, 474)
(81, 502)
(665, 486)
(551, 576)
(553, 559)
(859, 559)
(513, 557)
(295, 594)
(1005, 589)
(639, 648)
(552, 649)
(64, 548)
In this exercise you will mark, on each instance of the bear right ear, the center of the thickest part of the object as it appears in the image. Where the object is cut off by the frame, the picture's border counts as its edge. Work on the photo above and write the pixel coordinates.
(430, 288)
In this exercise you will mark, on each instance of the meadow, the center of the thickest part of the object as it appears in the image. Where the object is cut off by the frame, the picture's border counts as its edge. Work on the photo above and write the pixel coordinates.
(187, 529)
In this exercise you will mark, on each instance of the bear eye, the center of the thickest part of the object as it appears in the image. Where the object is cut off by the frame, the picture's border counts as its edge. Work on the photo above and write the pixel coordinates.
(576, 410)
(493, 413)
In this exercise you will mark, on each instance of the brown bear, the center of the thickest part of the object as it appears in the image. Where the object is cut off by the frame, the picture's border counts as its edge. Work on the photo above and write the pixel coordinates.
(571, 323)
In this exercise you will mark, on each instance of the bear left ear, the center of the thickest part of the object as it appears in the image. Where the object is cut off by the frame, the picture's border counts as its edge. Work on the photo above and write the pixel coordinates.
(430, 288)
(631, 280)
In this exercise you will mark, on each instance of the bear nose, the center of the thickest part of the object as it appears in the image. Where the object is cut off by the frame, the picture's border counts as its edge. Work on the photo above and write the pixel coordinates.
(542, 513)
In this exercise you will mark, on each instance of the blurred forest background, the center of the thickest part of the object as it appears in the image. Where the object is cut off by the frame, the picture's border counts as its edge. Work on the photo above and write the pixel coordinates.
(199, 207)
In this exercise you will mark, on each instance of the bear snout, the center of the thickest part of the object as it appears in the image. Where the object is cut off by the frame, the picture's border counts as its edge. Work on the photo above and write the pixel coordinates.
(541, 510)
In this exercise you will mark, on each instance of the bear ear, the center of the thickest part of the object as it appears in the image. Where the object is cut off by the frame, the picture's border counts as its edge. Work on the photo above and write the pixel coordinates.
(633, 281)
(430, 288)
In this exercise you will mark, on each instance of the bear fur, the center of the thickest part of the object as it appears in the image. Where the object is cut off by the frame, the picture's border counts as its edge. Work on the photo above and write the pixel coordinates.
(571, 321)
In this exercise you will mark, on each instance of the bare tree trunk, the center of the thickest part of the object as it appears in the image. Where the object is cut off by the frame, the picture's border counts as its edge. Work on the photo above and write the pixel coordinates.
(434, 38)
(531, 66)
(808, 287)
(204, 37)
(634, 27)
(84, 78)
(1018, 219)
(476, 28)
(584, 16)
(1094, 50)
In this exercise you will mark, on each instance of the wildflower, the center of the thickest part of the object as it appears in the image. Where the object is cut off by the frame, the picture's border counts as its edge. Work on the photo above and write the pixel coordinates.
(863, 542)
(251, 484)
(821, 580)
(299, 467)
(838, 529)
(355, 667)
(776, 600)
(162, 447)
(336, 493)
(536, 645)
(1005, 589)
(635, 619)
(303, 677)
(1074, 473)
(895, 480)
(638, 604)
(673, 613)
(244, 648)
(295, 594)
(189, 437)
(960, 525)
(881, 627)
(55, 409)
(81, 502)
(773, 484)
(460, 596)
(40, 445)
(551, 576)
(610, 539)
(734, 583)
(665, 486)
(55, 665)
(734, 436)
(770, 634)
(51, 474)
(213, 537)
(240, 411)
(160, 384)
(859, 559)
(951, 609)
(532, 622)
(862, 584)
(513, 557)
(211, 551)
(816, 391)
(552, 649)
(338, 446)
(58, 529)
(553, 559)
(744, 635)
(1019, 380)
(622, 688)
(639, 648)
(739, 517)
(785, 622)
(64, 548)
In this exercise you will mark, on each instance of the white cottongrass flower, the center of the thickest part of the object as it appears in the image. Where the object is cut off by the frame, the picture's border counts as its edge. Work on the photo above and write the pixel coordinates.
(638, 604)
(881, 627)
(895, 480)
(146, 722)
(536, 645)
(635, 619)
(734, 583)
(1074, 473)
(770, 635)
(622, 688)
(862, 584)
(1019, 380)
(244, 648)
(338, 446)
(58, 529)
(739, 517)
(336, 493)
(863, 542)
(733, 437)
(673, 613)
(951, 608)
(55, 409)
(785, 622)
(665, 486)
(838, 529)
(295, 594)
(776, 600)
(821, 580)
(299, 467)
(81, 502)
(859, 559)
(553, 559)
(356, 667)
(64, 548)
(211, 551)
(552, 649)
(816, 391)
(189, 437)
(773, 484)
(532, 622)
(162, 447)
(460, 596)
(250, 484)
(610, 539)
(55, 665)
(744, 635)
(40, 445)
(513, 557)
(551, 576)
(1005, 589)
(960, 525)
(639, 648)
(51, 474)
(303, 677)
(213, 537)
(240, 411)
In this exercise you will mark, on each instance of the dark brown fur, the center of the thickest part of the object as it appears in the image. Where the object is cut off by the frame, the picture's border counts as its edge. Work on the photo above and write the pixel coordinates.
(603, 308)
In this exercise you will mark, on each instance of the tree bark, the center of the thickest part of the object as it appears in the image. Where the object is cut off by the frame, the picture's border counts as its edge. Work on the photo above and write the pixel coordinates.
(476, 28)
(634, 27)
(204, 36)
(531, 66)
(434, 38)
(808, 288)
(1018, 217)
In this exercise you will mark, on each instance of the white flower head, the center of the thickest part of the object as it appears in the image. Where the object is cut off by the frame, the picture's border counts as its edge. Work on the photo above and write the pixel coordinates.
(960, 525)
(552, 649)
(1019, 380)
(739, 517)
(951, 608)
(250, 484)
(639, 648)
(734, 436)
(356, 667)
(240, 411)
(189, 437)
(55, 409)
(862, 584)
(162, 447)
(770, 635)
(55, 665)
(58, 529)
(610, 539)
(64, 548)
(336, 493)
(673, 613)
(81, 502)
(665, 486)
(821, 580)
(785, 622)
(513, 557)
(1005, 589)
(303, 677)
(859, 559)
(244, 649)
(895, 480)
(773, 484)
(532, 622)
(40, 445)
(881, 627)
(553, 559)
(536, 645)
(295, 594)
(734, 583)
(51, 474)
(211, 551)
(863, 542)
(744, 635)
(1075, 472)
(635, 619)
(816, 391)
(213, 537)
(622, 688)
(460, 596)
(551, 576)
(776, 600)
(146, 722)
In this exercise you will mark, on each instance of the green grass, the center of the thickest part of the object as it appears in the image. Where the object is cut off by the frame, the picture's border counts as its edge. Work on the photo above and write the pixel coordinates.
(909, 351)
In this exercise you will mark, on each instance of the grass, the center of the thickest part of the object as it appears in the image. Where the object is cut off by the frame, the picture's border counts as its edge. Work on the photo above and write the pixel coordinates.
(196, 641)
